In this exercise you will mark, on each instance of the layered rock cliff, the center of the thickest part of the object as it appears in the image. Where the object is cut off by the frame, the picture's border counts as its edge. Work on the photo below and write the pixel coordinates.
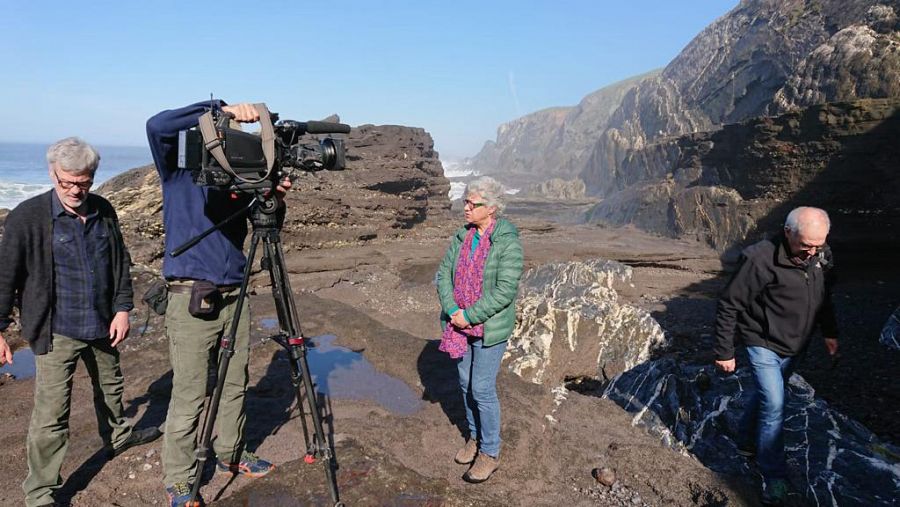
(553, 142)
(723, 186)
(650, 149)
(393, 182)
(763, 57)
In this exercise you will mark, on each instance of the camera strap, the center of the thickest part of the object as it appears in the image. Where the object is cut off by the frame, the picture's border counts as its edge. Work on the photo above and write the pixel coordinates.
(213, 142)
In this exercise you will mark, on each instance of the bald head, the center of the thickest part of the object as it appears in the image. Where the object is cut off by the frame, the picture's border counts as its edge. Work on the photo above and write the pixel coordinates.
(806, 229)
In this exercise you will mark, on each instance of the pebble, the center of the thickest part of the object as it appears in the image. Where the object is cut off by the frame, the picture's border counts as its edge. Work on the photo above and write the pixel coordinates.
(131, 475)
(147, 466)
(604, 475)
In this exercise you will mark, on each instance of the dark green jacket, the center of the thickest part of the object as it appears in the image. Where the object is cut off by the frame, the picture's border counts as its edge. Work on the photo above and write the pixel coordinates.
(496, 308)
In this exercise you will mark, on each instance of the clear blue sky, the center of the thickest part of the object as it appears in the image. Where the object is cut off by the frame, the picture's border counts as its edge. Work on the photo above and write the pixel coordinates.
(458, 69)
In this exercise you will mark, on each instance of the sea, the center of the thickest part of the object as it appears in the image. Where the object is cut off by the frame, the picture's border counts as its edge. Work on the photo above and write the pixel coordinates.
(460, 173)
(24, 173)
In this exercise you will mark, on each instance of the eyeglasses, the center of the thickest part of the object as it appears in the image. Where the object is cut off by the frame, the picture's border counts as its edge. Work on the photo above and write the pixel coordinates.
(473, 205)
(67, 185)
(807, 246)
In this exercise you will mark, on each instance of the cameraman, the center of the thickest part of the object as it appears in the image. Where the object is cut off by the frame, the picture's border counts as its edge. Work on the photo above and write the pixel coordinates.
(216, 262)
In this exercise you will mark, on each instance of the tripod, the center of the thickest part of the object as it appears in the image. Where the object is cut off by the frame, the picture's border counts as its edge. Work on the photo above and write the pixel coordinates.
(266, 229)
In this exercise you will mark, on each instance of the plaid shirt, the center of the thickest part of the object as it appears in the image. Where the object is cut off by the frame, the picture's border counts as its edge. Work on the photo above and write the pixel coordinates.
(82, 273)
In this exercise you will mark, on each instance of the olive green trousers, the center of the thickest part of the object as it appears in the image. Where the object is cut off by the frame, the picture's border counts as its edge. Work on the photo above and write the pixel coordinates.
(48, 433)
(193, 343)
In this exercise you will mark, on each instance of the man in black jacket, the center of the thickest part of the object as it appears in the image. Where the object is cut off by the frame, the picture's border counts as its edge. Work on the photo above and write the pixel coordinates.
(774, 302)
(66, 262)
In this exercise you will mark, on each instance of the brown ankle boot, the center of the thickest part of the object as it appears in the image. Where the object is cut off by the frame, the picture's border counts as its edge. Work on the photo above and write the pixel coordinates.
(467, 453)
(483, 468)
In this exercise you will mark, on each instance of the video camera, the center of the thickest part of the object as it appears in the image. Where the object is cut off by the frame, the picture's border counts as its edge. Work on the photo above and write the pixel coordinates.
(228, 158)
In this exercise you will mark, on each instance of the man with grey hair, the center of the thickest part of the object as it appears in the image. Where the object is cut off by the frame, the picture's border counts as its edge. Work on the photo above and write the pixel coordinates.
(773, 303)
(68, 271)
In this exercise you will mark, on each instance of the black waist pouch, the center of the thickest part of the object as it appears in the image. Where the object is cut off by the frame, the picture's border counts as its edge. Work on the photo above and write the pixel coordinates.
(157, 296)
(205, 299)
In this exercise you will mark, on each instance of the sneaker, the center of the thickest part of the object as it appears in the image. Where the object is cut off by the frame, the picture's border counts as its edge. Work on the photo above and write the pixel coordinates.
(137, 437)
(250, 465)
(179, 495)
(485, 466)
(774, 492)
(467, 453)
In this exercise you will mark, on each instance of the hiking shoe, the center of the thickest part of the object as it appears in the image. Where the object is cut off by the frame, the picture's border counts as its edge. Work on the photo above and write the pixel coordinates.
(137, 437)
(774, 492)
(250, 465)
(485, 465)
(467, 453)
(179, 495)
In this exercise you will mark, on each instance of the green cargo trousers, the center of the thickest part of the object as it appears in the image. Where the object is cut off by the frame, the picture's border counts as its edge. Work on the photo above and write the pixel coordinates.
(191, 342)
(48, 433)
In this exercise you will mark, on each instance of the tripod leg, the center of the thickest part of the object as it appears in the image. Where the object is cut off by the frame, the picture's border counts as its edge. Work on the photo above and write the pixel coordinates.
(227, 350)
(284, 300)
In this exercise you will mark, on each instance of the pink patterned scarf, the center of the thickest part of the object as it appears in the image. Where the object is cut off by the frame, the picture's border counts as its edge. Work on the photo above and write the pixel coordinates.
(467, 282)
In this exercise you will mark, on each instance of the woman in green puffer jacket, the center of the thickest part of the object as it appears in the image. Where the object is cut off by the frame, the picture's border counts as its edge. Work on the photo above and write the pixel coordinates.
(477, 283)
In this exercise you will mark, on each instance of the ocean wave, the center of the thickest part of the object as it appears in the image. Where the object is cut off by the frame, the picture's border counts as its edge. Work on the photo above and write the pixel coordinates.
(455, 169)
(457, 189)
(11, 193)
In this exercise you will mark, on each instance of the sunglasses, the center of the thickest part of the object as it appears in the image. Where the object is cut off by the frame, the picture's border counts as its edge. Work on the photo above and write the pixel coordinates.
(473, 204)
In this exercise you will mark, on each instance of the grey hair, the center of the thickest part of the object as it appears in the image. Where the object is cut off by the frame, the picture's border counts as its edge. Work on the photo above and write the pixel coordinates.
(73, 155)
(795, 225)
(490, 190)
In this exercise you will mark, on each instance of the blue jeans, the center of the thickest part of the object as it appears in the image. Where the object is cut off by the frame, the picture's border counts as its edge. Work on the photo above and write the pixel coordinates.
(764, 414)
(478, 370)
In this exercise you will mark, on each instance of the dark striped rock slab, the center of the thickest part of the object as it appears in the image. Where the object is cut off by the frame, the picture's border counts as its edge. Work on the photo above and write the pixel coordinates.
(832, 460)
(890, 334)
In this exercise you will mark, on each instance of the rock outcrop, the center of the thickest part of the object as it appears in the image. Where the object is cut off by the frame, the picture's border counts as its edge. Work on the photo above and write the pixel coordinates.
(722, 186)
(832, 460)
(571, 323)
(393, 182)
(556, 188)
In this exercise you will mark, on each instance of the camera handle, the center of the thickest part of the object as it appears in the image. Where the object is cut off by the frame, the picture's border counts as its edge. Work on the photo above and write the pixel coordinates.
(267, 231)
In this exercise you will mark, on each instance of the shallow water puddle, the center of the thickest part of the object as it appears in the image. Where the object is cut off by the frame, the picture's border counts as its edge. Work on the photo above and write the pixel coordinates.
(22, 366)
(341, 373)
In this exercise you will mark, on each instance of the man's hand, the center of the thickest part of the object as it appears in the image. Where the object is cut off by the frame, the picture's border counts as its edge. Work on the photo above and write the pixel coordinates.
(459, 320)
(244, 113)
(831, 344)
(282, 188)
(118, 329)
(5, 353)
(727, 365)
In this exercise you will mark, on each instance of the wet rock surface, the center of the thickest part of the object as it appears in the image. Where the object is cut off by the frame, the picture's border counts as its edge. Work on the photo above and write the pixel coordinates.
(385, 310)
(368, 477)
(690, 408)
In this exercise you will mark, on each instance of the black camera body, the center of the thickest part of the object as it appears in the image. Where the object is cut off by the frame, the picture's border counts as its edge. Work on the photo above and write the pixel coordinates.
(249, 169)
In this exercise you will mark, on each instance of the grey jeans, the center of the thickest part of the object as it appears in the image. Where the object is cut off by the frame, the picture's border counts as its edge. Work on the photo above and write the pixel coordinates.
(48, 433)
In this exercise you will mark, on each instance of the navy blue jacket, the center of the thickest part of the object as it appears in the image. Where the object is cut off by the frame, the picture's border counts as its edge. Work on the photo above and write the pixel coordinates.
(189, 209)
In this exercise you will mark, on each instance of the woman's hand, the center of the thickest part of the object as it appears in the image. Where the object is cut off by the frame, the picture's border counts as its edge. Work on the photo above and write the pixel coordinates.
(458, 319)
